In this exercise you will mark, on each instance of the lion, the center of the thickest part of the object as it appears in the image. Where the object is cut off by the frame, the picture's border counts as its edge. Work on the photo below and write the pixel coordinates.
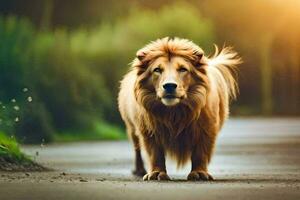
(174, 101)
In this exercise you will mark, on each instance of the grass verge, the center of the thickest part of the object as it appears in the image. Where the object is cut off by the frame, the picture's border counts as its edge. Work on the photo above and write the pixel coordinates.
(100, 131)
(12, 159)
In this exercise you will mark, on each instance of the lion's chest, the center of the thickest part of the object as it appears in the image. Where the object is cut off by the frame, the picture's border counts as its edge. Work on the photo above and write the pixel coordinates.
(176, 141)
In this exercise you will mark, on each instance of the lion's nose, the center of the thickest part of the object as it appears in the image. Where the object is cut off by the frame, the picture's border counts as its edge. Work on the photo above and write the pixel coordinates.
(170, 87)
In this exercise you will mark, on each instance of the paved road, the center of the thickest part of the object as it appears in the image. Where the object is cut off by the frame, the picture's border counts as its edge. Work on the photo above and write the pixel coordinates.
(255, 159)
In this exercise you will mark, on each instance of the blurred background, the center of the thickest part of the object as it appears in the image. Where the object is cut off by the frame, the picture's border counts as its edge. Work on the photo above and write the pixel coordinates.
(61, 61)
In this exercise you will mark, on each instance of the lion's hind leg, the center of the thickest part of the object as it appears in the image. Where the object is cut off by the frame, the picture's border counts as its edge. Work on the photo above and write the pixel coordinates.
(139, 169)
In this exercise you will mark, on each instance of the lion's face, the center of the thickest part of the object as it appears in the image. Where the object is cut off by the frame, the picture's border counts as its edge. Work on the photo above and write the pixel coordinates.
(171, 74)
(171, 79)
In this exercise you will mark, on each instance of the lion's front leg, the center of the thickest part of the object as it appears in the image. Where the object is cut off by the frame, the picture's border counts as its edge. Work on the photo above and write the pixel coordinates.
(157, 161)
(201, 156)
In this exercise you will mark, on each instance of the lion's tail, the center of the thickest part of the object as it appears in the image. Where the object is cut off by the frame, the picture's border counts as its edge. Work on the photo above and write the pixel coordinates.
(225, 62)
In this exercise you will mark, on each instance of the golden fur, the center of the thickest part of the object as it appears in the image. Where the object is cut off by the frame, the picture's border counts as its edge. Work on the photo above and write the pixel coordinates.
(186, 124)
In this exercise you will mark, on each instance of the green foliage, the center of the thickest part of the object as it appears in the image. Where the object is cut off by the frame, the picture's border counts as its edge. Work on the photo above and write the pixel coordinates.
(34, 125)
(99, 131)
(9, 149)
(16, 38)
(71, 90)
(178, 20)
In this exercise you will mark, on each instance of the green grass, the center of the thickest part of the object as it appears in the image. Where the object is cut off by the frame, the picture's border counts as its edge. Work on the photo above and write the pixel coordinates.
(10, 150)
(100, 131)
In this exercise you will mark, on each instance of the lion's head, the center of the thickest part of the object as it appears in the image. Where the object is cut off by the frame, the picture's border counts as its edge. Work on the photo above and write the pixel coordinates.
(171, 73)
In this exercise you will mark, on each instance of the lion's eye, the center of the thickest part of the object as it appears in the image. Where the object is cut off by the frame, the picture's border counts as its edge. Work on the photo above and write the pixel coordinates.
(182, 69)
(157, 70)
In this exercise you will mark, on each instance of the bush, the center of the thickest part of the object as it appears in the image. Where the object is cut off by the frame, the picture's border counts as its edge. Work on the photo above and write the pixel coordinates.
(35, 125)
(72, 92)
(16, 38)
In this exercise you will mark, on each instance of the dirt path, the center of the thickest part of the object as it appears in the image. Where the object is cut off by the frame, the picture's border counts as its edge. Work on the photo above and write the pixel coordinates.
(255, 159)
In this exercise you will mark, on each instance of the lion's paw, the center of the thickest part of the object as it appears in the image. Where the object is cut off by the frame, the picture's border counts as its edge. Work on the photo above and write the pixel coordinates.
(199, 176)
(156, 175)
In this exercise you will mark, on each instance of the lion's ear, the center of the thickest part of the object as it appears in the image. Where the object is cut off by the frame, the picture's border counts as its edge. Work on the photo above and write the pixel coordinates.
(141, 55)
(142, 62)
(199, 58)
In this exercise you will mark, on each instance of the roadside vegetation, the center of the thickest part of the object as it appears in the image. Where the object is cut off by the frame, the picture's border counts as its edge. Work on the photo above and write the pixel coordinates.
(12, 159)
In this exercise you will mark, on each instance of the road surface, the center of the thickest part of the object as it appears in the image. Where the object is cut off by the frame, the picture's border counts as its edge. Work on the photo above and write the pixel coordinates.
(254, 159)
